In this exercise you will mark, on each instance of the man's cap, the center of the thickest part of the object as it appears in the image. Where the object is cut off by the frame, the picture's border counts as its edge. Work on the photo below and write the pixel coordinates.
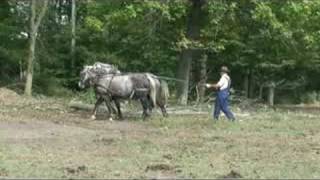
(224, 69)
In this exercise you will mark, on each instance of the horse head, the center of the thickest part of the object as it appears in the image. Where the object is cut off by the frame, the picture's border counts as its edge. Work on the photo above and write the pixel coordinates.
(86, 77)
(104, 68)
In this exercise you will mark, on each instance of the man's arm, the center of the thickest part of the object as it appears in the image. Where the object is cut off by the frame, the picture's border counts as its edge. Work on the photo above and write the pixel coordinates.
(215, 86)
(218, 85)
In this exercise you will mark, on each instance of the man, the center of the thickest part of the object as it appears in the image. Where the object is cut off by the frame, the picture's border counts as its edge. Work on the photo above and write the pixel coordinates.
(223, 87)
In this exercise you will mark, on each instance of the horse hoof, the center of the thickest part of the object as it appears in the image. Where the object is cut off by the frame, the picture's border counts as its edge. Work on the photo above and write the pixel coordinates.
(93, 117)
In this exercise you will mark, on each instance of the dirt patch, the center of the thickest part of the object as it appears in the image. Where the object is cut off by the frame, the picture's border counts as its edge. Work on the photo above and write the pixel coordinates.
(160, 171)
(76, 170)
(105, 141)
(168, 156)
(8, 97)
(3, 172)
(159, 167)
(232, 175)
(37, 130)
(306, 108)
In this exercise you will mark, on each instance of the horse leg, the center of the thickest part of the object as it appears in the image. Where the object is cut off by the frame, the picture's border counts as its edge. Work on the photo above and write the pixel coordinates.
(109, 106)
(150, 104)
(114, 110)
(99, 101)
(144, 103)
(118, 108)
(163, 109)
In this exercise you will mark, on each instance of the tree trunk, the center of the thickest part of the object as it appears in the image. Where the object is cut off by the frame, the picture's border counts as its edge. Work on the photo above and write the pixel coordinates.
(184, 65)
(28, 86)
(32, 34)
(184, 74)
(34, 26)
(251, 84)
(73, 34)
(246, 84)
(21, 73)
(261, 91)
(203, 77)
(271, 93)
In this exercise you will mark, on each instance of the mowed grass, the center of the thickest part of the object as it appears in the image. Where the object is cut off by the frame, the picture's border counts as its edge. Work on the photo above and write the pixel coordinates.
(265, 144)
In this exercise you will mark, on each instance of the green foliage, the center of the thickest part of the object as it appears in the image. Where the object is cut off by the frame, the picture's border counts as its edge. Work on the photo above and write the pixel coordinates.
(93, 24)
(13, 40)
(271, 39)
(50, 86)
(312, 97)
(87, 96)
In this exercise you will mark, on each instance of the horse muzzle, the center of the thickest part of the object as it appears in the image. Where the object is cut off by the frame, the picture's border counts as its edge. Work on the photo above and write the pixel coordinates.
(81, 85)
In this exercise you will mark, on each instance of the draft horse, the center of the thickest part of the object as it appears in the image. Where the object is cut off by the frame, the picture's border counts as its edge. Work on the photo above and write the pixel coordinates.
(111, 86)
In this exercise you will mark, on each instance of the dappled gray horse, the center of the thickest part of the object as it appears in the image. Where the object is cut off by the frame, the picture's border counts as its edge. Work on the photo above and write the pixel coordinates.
(103, 68)
(158, 92)
(115, 86)
(88, 78)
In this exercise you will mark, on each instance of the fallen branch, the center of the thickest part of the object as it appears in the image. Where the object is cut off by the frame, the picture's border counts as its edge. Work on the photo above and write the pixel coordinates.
(86, 107)
(176, 110)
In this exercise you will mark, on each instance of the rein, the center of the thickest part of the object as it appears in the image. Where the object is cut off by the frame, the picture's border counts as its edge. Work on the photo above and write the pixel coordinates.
(170, 78)
(154, 76)
(106, 88)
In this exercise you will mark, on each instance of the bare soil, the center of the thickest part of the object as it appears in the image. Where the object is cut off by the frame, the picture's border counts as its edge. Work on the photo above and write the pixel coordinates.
(67, 136)
(43, 138)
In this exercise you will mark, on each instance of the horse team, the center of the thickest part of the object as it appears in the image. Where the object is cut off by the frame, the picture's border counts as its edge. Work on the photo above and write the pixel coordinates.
(111, 86)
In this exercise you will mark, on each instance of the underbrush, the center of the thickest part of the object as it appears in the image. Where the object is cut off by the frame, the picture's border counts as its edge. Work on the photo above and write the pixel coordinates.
(86, 96)
(312, 97)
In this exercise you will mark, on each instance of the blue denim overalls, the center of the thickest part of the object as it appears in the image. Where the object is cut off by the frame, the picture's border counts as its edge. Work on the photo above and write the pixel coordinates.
(221, 103)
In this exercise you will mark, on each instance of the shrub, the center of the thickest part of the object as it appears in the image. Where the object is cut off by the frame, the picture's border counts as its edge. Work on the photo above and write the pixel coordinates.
(312, 97)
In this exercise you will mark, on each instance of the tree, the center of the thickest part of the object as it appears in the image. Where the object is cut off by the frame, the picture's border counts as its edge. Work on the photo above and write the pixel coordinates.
(184, 64)
(263, 42)
(73, 35)
(35, 22)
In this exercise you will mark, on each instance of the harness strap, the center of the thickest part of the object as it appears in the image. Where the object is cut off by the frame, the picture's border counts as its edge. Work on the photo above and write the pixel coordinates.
(106, 88)
(229, 83)
(132, 94)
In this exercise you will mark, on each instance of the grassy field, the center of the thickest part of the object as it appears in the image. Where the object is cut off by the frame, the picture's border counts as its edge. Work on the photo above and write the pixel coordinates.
(49, 141)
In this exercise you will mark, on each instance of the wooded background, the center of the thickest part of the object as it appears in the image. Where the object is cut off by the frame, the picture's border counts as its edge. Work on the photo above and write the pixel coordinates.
(271, 46)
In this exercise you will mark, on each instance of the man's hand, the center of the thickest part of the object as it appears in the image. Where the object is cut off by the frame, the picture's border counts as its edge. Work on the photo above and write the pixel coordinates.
(214, 86)
(208, 85)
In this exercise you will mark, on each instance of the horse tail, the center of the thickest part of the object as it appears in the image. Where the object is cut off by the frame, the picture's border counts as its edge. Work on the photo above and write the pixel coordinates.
(164, 93)
(153, 89)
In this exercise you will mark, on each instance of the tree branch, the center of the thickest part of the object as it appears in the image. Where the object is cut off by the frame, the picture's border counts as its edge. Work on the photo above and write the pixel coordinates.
(41, 15)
